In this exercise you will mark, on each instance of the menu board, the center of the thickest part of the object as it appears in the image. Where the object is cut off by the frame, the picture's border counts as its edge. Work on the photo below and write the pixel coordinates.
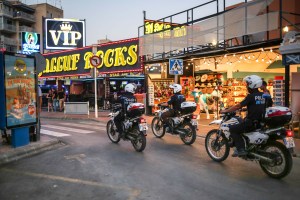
(20, 90)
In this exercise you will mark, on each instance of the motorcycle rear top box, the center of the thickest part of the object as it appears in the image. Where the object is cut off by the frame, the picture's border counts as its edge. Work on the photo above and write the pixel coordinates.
(188, 107)
(277, 116)
(135, 110)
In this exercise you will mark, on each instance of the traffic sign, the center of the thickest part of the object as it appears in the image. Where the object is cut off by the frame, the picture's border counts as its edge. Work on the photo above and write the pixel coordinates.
(175, 66)
(95, 61)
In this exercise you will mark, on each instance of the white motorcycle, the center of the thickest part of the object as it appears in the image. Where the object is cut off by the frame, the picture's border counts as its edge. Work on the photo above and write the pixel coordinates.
(261, 144)
(184, 123)
(134, 125)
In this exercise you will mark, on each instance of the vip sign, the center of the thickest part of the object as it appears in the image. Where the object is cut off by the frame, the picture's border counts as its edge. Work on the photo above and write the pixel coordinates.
(64, 33)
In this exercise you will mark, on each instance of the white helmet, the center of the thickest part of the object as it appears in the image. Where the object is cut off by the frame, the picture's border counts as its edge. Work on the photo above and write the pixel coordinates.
(130, 87)
(176, 87)
(253, 81)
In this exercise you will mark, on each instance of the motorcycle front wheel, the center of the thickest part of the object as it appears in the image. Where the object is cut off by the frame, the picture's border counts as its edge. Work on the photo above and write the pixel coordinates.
(139, 141)
(216, 146)
(282, 160)
(157, 127)
(190, 136)
(111, 133)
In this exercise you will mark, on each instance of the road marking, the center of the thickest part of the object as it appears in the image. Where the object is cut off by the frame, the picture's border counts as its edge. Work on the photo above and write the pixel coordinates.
(78, 157)
(68, 129)
(133, 193)
(89, 126)
(53, 133)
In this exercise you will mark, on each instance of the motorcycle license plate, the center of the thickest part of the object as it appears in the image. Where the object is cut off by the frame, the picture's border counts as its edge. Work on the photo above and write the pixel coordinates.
(194, 123)
(143, 127)
(289, 142)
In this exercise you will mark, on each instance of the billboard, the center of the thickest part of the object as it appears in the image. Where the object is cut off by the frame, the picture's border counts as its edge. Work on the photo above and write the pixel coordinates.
(30, 42)
(115, 57)
(20, 90)
(64, 33)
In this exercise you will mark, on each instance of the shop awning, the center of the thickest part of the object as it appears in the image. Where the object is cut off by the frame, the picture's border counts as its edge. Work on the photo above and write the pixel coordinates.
(276, 65)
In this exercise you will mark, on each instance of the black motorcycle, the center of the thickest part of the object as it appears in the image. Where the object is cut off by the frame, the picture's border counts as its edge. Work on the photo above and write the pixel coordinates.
(134, 126)
(183, 124)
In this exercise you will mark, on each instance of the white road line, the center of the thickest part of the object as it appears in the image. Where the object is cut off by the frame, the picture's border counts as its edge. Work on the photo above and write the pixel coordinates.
(88, 126)
(68, 129)
(53, 133)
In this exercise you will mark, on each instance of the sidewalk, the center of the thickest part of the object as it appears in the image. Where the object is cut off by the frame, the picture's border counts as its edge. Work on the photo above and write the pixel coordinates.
(8, 153)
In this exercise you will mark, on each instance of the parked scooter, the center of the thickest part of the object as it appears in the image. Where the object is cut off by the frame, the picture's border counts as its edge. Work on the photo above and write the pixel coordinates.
(183, 124)
(134, 126)
(261, 144)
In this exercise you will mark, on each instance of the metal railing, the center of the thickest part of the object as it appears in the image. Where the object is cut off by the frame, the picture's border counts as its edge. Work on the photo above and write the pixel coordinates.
(8, 27)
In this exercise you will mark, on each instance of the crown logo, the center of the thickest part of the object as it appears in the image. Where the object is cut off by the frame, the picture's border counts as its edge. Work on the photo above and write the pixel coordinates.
(66, 27)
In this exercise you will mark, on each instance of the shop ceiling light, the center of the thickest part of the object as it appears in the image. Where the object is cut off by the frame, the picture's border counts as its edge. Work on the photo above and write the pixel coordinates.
(286, 29)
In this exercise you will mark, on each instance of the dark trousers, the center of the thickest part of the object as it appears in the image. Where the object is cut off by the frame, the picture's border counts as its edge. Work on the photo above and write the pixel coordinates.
(166, 115)
(119, 121)
(236, 130)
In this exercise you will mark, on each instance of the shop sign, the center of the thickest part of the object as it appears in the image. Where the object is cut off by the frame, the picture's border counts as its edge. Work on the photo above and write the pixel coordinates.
(64, 33)
(291, 59)
(152, 26)
(119, 57)
(30, 42)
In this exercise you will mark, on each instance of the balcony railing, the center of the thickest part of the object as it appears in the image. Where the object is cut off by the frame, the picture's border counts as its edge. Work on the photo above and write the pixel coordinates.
(7, 13)
(8, 41)
(24, 16)
(26, 29)
(8, 27)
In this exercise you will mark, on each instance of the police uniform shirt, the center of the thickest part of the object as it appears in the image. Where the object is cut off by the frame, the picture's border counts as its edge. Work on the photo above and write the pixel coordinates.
(176, 101)
(126, 99)
(255, 105)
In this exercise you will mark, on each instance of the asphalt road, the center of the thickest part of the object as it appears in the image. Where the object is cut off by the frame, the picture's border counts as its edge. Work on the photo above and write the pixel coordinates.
(89, 166)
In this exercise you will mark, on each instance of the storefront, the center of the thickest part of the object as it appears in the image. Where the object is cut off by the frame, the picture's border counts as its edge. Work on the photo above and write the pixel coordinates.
(72, 71)
(221, 50)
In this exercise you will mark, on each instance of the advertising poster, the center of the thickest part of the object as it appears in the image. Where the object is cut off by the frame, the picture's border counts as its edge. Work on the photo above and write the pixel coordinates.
(30, 42)
(20, 90)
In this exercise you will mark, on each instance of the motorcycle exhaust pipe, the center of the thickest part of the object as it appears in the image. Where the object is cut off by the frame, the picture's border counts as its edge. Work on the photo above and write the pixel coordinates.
(263, 158)
(180, 132)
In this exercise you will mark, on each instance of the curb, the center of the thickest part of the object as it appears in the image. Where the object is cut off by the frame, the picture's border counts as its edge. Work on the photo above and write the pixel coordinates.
(29, 150)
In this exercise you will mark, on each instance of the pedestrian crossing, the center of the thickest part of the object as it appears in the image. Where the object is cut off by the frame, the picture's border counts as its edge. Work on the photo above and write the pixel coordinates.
(65, 129)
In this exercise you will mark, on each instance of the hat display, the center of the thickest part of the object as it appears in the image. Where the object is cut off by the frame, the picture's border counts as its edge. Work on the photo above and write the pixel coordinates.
(202, 85)
(214, 84)
(209, 85)
(197, 78)
(203, 77)
(197, 85)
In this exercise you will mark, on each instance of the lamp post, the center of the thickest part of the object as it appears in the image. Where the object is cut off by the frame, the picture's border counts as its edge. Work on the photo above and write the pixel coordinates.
(95, 80)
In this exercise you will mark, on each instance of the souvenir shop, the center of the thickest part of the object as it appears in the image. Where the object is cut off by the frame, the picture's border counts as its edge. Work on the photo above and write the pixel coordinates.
(72, 71)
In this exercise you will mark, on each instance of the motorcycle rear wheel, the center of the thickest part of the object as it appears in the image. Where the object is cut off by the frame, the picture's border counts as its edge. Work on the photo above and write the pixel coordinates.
(139, 143)
(111, 133)
(284, 161)
(190, 137)
(217, 148)
(157, 127)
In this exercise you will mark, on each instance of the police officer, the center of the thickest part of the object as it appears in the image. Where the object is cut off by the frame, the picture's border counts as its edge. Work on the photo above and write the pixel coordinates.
(255, 104)
(176, 99)
(125, 99)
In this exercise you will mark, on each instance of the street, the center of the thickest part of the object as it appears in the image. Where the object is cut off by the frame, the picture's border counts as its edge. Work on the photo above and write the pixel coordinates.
(89, 166)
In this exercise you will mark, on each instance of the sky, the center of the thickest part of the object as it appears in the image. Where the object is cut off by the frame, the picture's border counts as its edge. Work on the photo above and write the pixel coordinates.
(120, 19)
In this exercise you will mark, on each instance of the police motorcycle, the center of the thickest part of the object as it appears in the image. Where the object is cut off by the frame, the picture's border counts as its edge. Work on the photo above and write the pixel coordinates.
(134, 125)
(262, 146)
(183, 124)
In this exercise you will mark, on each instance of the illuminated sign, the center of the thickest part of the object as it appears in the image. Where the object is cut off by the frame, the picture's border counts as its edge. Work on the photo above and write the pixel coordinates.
(115, 57)
(30, 42)
(64, 33)
(159, 27)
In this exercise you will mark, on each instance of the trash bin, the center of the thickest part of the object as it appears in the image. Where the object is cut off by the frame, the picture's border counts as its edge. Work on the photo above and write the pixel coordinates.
(20, 137)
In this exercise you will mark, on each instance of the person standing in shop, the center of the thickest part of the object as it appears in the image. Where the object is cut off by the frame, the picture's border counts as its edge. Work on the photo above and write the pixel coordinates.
(50, 101)
(266, 91)
(62, 98)
(55, 99)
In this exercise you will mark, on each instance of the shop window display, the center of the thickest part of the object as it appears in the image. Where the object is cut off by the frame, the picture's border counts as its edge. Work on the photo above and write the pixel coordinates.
(162, 92)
